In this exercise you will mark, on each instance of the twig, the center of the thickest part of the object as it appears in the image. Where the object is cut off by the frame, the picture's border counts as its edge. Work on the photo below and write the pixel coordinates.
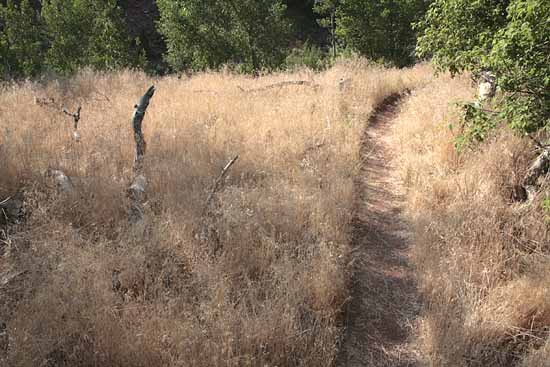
(217, 184)
(537, 142)
(5, 201)
(50, 102)
(103, 95)
(276, 85)
(204, 91)
(11, 277)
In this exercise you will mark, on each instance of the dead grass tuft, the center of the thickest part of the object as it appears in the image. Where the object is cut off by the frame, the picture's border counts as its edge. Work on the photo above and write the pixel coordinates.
(268, 285)
(482, 260)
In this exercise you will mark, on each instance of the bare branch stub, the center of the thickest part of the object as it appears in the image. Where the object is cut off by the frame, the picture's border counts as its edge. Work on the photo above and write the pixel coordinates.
(75, 116)
(137, 120)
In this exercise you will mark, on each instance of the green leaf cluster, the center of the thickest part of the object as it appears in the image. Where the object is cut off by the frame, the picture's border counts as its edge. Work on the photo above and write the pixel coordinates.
(22, 40)
(85, 33)
(206, 34)
(511, 38)
(62, 37)
(381, 30)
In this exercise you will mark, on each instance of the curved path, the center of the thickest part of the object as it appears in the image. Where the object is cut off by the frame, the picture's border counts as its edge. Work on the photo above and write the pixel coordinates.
(381, 316)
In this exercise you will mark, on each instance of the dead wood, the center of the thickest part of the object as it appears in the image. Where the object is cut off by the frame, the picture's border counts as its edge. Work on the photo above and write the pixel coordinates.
(11, 210)
(8, 278)
(539, 168)
(217, 184)
(277, 85)
(50, 102)
(136, 191)
(63, 183)
(137, 120)
(208, 231)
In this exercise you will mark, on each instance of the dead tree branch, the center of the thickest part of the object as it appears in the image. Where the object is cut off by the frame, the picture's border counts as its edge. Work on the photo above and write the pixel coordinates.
(50, 102)
(76, 119)
(136, 191)
(75, 116)
(5, 201)
(217, 184)
(277, 85)
(137, 120)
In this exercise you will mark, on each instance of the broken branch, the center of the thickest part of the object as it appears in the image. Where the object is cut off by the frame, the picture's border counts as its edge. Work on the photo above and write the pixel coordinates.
(75, 116)
(217, 183)
(136, 191)
(137, 119)
(277, 85)
(50, 102)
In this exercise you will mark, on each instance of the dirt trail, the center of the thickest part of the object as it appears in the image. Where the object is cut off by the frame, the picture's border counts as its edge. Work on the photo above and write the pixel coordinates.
(381, 315)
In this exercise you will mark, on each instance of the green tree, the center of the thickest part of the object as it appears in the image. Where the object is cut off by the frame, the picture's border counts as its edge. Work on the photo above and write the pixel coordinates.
(326, 9)
(204, 34)
(380, 29)
(85, 33)
(510, 38)
(22, 40)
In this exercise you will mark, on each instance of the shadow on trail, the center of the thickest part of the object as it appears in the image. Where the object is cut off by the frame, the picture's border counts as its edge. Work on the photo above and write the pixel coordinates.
(380, 316)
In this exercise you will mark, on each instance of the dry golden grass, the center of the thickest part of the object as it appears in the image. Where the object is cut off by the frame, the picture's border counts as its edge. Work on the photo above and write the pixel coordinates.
(269, 285)
(483, 261)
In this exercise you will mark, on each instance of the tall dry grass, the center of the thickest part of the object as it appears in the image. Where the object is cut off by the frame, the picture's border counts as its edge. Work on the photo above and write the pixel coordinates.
(268, 286)
(483, 260)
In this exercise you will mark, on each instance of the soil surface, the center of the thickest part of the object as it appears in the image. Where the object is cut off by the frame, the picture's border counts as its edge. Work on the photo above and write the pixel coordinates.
(381, 315)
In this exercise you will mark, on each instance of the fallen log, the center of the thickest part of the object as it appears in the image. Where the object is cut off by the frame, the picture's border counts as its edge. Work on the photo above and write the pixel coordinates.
(277, 85)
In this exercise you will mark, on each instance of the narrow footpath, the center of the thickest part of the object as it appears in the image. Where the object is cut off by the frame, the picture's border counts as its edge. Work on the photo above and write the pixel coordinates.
(381, 315)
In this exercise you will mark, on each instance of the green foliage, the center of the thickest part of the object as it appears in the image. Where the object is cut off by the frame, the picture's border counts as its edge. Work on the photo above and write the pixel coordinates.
(202, 34)
(381, 30)
(22, 40)
(326, 9)
(476, 125)
(458, 34)
(511, 38)
(85, 33)
(308, 55)
(520, 56)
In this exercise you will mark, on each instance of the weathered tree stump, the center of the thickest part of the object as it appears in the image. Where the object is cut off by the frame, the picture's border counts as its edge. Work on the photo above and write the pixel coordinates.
(136, 191)
(539, 168)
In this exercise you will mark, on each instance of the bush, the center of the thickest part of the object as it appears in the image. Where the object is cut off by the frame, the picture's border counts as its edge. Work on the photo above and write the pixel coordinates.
(208, 34)
(22, 40)
(309, 55)
(509, 38)
(85, 33)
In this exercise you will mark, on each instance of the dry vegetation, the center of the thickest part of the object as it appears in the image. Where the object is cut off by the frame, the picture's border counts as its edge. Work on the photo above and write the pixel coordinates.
(268, 284)
(483, 261)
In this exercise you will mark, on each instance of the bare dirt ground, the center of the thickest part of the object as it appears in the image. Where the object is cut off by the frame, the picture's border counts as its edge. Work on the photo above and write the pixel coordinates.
(381, 316)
